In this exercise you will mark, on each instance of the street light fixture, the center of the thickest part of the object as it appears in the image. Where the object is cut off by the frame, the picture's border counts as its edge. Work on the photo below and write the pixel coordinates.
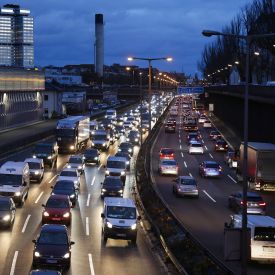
(248, 39)
(168, 59)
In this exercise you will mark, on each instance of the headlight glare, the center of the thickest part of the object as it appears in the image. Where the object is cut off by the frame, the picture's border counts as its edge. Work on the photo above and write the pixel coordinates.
(134, 226)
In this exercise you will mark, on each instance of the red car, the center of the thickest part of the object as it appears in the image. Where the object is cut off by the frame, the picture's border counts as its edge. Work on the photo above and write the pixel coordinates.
(57, 210)
(166, 153)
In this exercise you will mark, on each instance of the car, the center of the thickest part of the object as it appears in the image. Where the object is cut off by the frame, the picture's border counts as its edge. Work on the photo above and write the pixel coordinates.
(172, 120)
(168, 167)
(48, 152)
(126, 147)
(66, 187)
(210, 169)
(193, 136)
(70, 174)
(221, 145)
(44, 272)
(133, 137)
(36, 166)
(128, 125)
(231, 159)
(207, 124)
(202, 119)
(120, 130)
(127, 156)
(91, 156)
(185, 186)
(170, 127)
(166, 153)
(255, 203)
(57, 210)
(76, 162)
(52, 247)
(7, 211)
(214, 134)
(112, 187)
(195, 148)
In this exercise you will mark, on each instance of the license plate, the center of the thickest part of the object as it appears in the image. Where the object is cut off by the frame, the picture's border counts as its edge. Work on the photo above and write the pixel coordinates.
(188, 189)
(56, 219)
(121, 235)
(52, 261)
(269, 249)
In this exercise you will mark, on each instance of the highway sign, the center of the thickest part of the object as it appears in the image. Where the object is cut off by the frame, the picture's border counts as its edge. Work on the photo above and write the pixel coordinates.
(190, 90)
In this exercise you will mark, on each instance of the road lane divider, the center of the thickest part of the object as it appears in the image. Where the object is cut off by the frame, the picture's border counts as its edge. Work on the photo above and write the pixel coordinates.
(205, 147)
(182, 155)
(232, 179)
(87, 227)
(39, 197)
(202, 141)
(99, 167)
(180, 147)
(14, 262)
(93, 181)
(88, 200)
(185, 164)
(52, 178)
(91, 264)
(211, 155)
(208, 196)
(190, 175)
(26, 223)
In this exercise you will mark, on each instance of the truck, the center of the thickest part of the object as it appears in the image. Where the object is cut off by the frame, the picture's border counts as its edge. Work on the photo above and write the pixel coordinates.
(260, 165)
(72, 133)
(190, 124)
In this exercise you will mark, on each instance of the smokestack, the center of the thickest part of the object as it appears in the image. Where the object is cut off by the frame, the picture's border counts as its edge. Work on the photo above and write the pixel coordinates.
(99, 44)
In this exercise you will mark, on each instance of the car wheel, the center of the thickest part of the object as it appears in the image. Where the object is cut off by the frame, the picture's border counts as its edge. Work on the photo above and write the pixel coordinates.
(134, 240)
(105, 238)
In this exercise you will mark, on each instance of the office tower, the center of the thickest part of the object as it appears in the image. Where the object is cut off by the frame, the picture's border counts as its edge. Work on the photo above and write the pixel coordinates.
(99, 44)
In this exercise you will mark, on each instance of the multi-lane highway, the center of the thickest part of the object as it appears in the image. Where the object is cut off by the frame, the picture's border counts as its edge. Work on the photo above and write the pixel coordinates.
(89, 254)
(205, 216)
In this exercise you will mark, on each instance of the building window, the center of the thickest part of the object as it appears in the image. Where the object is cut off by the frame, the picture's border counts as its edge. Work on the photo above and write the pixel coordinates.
(46, 97)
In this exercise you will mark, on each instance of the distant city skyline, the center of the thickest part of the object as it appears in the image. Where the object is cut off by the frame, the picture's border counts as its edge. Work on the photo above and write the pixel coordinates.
(64, 32)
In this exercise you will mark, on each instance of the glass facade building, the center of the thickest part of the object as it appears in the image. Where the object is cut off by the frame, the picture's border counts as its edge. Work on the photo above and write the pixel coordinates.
(16, 37)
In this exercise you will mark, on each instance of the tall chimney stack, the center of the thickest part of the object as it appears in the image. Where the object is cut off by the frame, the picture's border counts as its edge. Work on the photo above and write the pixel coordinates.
(99, 44)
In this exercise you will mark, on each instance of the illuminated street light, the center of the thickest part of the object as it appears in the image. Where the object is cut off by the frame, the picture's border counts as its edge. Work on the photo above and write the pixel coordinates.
(256, 53)
(237, 62)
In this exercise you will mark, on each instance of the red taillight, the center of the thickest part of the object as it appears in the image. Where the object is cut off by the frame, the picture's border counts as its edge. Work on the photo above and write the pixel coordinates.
(161, 155)
(172, 155)
(262, 204)
(220, 169)
(241, 202)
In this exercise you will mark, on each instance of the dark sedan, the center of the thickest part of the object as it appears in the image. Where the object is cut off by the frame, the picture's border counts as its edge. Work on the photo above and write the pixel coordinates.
(112, 187)
(133, 137)
(170, 127)
(52, 247)
(221, 145)
(255, 203)
(126, 147)
(214, 134)
(7, 211)
(125, 155)
(57, 210)
(91, 156)
(67, 188)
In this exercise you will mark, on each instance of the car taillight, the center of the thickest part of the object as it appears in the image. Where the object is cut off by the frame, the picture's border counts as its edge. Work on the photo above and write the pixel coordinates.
(262, 204)
(172, 155)
(241, 202)
(220, 169)
(161, 155)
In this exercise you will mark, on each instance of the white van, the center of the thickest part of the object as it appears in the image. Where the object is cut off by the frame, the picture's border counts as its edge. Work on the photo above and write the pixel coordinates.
(119, 219)
(111, 114)
(15, 181)
(116, 166)
(262, 241)
(36, 167)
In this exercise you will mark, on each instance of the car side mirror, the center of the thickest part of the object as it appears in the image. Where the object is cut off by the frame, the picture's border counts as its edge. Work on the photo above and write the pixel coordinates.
(226, 225)
(52, 187)
(101, 183)
(138, 218)
(13, 208)
(34, 241)
(72, 243)
(102, 215)
(43, 205)
(24, 184)
(104, 166)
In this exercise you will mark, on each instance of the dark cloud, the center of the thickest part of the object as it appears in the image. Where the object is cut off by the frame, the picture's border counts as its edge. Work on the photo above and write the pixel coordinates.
(64, 29)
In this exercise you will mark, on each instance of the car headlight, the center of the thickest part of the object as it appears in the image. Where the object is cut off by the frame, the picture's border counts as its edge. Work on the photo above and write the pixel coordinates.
(136, 139)
(17, 194)
(7, 218)
(109, 225)
(96, 158)
(122, 173)
(69, 166)
(103, 190)
(104, 144)
(79, 167)
(36, 172)
(34, 156)
(36, 254)
(134, 226)
(127, 139)
(93, 132)
(119, 149)
(72, 196)
(72, 147)
(120, 191)
(66, 256)
(66, 215)
(46, 214)
(130, 150)
(92, 144)
(49, 157)
(75, 181)
(127, 162)
(107, 172)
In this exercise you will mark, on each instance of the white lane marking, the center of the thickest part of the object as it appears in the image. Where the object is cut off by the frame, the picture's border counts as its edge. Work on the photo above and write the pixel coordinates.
(52, 178)
(108, 155)
(93, 181)
(91, 264)
(182, 154)
(39, 197)
(26, 223)
(185, 164)
(88, 200)
(14, 262)
(202, 141)
(211, 156)
(87, 227)
(232, 179)
(205, 147)
(180, 140)
(180, 146)
(99, 167)
(208, 196)
(190, 175)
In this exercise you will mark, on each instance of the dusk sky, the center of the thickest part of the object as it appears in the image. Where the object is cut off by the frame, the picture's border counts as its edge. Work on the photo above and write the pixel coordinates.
(64, 29)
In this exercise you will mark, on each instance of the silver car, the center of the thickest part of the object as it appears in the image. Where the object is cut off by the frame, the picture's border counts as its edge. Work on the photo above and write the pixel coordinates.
(195, 147)
(185, 186)
(168, 167)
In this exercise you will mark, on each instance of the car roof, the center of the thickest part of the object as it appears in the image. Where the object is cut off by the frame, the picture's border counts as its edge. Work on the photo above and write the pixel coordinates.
(166, 148)
(114, 158)
(65, 182)
(250, 194)
(36, 160)
(210, 162)
(58, 197)
(109, 201)
(69, 169)
(186, 177)
(75, 157)
(54, 228)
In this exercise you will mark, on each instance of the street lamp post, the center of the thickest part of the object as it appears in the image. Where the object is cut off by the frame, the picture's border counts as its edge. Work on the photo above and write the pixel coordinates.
(169, 59)
(248, 39)
(133, 74)
(140, 107)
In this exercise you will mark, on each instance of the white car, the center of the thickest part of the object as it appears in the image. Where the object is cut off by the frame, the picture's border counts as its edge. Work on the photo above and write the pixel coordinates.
(168, 167)
(202, 119)
(76, 162)
(196, 148)
(70, 174)
(207, 124)
(36, 167)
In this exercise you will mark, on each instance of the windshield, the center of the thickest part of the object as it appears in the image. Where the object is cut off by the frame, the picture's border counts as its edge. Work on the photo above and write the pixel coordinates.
(99, 137)
(113, 183)
(167, 162)
(125, 145)
(116, 164)
(43, 149)
(63, 186)
(120, 212)
(75, 160)
(65, 132)
(196, 145)
(56, 203)
(68, 174)
(91, 153)
(53, 238)
(34, 165)
(211, 165)
(9, 179)
(167, 151)
(264, 234)
(188, 182)
(4, 205)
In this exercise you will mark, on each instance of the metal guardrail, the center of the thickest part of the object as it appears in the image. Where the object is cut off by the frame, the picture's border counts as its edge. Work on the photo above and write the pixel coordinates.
(176, 244)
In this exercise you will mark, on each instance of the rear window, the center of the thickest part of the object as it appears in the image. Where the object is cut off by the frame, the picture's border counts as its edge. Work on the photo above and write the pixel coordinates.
(212, 165)
(167, 151)
(254, 198)
(196, 145)
(169, 162)
(188, 182)
(264, 234)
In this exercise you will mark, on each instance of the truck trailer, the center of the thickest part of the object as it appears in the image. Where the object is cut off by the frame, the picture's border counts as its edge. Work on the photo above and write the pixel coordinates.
(72, 133)
(260, 165)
